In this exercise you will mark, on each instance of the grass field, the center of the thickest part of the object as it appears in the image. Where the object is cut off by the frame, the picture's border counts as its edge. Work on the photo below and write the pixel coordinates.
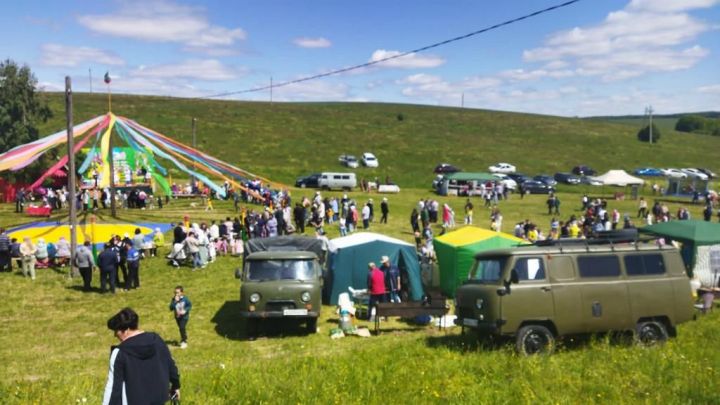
(54, 345)
(282, 141)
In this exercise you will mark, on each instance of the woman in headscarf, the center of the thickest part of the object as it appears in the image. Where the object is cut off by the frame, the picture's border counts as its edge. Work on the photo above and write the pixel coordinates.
(27, 254)
(202, 244)
(62, 254)
(41, 254)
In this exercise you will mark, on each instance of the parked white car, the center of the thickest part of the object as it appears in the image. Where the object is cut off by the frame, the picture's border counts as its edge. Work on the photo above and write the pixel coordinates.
(507, 182)
(369, 160)
(674, 173)
(691, 172)
(502, 168)
(349, 161)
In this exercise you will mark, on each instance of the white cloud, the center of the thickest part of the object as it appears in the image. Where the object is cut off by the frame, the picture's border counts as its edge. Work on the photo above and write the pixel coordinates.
(209, 69)
(646, 36)
(670, 5)
(313, 91)
(710, 89)
(425, 86)
(62, 55)
(304, 42)
(163, 21)
(410, 61)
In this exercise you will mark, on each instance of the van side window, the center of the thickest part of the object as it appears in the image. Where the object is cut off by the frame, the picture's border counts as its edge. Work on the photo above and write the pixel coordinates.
(346, 177)
(599, 266)
(645, 264)
(530, 269)
(337, 177)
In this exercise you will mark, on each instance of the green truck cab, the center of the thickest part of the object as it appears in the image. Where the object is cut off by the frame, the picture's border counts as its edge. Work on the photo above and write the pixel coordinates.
(540, 293)
(281, 279)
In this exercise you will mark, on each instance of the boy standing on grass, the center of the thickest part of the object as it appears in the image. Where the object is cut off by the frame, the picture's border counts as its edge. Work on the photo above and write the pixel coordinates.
(181, 305)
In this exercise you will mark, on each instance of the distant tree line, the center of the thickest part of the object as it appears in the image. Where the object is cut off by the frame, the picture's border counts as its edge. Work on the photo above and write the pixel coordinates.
(698, 124)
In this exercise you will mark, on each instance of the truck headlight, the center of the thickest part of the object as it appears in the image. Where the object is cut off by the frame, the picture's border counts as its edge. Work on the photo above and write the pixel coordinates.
(305, 297)
(254, 297)
(479, 303)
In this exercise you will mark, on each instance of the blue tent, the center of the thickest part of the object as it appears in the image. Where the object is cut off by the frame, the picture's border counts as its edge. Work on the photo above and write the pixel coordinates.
(349, 257)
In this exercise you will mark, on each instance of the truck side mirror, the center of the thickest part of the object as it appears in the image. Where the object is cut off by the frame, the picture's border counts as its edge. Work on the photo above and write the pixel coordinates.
(514, 278)
(238, 274)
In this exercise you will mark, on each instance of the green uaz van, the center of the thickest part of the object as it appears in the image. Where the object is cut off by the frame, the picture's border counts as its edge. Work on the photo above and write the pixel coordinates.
(540, 293)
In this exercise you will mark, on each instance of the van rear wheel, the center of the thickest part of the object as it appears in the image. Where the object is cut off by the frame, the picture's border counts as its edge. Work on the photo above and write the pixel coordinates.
(535, 339)
(651, 333)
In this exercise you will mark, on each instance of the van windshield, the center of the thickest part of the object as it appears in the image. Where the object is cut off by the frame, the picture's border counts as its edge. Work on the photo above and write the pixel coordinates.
(290, 269)
(487, 270)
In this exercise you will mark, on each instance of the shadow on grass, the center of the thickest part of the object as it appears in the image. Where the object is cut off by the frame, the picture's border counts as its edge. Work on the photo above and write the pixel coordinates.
(230, 325)
(472, 342)
(468, 342)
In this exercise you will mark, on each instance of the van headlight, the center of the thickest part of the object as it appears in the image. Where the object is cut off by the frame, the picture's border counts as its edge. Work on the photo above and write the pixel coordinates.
(254, 297)
(479, 303)
(305, 297)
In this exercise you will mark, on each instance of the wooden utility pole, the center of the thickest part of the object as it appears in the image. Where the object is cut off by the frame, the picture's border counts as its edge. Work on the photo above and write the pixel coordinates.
(113, 204)
(194, 145)
(71, 171)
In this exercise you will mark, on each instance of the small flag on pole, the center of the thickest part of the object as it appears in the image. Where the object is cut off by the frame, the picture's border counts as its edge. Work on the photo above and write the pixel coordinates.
(107, 78)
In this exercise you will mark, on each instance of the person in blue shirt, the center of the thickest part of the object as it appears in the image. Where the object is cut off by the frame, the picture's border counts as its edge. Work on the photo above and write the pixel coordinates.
(133, 264)
(181, 306)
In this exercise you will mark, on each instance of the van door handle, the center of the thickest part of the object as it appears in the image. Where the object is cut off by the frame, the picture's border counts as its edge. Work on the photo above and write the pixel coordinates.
(546, 288)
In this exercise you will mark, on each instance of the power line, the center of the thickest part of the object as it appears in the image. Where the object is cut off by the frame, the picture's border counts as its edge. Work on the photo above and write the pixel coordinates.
(400, 55)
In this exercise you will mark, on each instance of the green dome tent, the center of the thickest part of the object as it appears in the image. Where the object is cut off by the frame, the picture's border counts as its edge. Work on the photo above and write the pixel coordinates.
(456, 251)
(349, 257)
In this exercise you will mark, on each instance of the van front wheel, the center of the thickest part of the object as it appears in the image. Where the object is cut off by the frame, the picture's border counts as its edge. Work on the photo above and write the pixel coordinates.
(534, 339)
(311, 325)
(651, 333)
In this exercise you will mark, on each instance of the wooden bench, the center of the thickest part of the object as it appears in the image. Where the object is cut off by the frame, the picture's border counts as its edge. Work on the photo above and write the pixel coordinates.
(435, 306)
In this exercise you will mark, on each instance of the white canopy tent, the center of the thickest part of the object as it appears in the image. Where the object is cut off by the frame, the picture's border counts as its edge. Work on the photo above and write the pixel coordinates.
(619, 178)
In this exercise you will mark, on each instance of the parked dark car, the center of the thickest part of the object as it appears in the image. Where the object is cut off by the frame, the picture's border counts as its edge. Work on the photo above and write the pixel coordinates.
(709, 172)
(536, 187)
(648, 171)
(567, 178)
(549, 180)
(310, 181)
(519, 177)
(443, 168)
(582, 170)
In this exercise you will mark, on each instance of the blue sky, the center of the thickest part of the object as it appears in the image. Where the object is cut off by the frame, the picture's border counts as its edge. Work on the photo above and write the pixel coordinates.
(605, 57)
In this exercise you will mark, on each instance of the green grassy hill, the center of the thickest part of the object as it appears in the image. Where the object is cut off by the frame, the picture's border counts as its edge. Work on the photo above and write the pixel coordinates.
(282, 141)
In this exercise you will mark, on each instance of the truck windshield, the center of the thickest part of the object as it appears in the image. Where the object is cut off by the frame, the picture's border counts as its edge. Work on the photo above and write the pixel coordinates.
(291, 269)
(487, 270)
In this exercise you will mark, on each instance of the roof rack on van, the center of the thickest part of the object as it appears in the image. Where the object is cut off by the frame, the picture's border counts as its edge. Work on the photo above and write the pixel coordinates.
(599, 238)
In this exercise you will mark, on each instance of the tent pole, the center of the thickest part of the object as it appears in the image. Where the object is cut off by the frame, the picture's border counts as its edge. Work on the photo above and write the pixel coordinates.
(71, 171)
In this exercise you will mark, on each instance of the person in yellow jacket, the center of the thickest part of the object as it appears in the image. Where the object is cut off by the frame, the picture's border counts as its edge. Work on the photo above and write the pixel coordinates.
(158, 241)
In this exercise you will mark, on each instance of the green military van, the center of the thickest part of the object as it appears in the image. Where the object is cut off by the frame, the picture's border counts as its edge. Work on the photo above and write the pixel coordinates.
(540, 293)
(281, 279)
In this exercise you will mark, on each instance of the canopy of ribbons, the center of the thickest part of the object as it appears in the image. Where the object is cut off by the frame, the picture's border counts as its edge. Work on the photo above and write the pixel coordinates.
(94, 135)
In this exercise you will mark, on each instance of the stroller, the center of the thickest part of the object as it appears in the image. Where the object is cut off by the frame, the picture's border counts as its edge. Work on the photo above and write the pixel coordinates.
(177, 255)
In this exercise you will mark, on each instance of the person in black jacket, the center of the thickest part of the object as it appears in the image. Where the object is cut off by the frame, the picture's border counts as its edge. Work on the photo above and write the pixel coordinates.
(107, 262)
(142, 371)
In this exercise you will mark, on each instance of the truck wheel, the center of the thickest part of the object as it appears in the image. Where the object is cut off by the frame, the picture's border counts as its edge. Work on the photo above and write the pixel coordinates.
(651, 333)
(311, 325)
(534, 339)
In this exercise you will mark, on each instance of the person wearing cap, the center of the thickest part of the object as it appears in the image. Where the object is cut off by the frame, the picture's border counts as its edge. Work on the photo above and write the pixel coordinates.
(366, 215)
(392, 279)
(384, 209)
(376, 288)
